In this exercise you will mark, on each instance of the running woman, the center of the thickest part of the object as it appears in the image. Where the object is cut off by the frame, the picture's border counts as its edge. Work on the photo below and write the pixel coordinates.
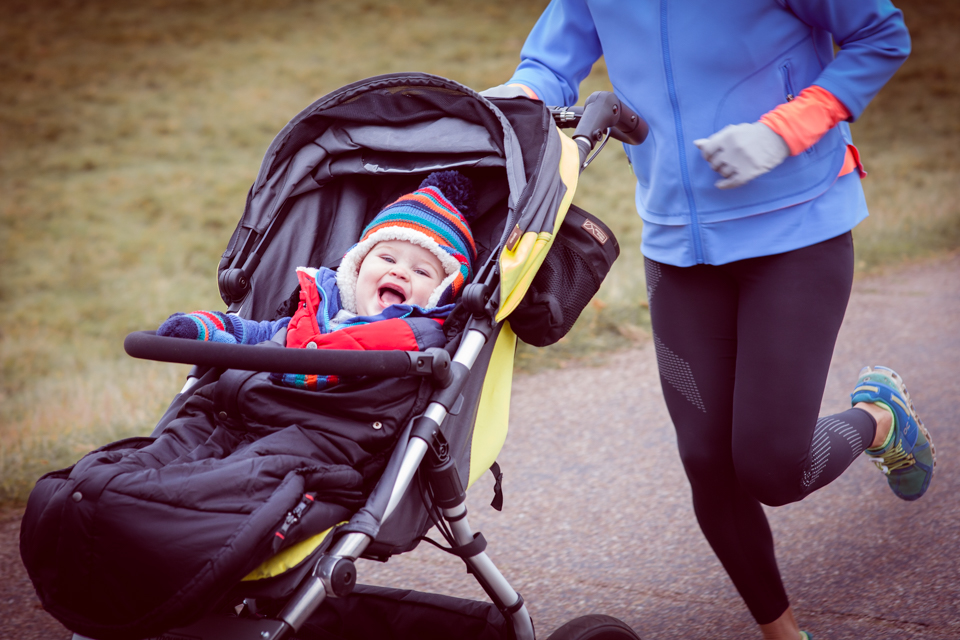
(748, 186)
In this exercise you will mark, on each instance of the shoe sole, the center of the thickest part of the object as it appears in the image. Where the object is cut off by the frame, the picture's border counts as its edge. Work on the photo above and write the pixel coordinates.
(902, 388)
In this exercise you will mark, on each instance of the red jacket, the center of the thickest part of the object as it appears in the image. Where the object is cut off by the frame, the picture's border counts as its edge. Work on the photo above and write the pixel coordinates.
(403, 327)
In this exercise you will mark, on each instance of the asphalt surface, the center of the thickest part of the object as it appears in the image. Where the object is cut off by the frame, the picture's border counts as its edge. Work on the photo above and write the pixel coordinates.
(597, 517)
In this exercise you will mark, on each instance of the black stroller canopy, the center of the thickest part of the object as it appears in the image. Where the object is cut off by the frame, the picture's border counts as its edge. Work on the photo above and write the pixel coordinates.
(346, 156)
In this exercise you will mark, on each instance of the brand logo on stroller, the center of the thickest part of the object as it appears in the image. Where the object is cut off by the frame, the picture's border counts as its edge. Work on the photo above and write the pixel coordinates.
(514, 238)
(595, 231)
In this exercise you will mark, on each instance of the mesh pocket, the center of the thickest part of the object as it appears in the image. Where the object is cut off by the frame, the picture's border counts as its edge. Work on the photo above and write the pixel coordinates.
(567, 280)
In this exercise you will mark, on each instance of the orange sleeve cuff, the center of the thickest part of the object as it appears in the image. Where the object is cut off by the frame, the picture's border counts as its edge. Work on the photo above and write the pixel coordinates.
(803, 121)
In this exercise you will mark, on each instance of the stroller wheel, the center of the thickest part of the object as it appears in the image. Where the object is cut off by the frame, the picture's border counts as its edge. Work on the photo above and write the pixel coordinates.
(594, 627)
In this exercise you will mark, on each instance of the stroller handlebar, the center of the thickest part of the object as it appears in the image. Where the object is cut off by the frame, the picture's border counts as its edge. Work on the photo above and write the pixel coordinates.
(148, 345)
(603, 113)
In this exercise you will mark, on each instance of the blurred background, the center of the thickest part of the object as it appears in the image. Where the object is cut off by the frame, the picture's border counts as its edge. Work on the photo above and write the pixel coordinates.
(131, 132)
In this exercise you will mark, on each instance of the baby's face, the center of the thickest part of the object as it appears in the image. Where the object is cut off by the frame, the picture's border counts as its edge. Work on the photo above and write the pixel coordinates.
(396, 272)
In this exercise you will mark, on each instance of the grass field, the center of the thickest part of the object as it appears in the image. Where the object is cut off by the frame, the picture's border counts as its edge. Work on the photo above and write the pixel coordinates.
(130, 133)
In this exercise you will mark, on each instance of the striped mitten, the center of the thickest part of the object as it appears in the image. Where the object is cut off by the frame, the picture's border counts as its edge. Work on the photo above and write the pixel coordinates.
(212, 326)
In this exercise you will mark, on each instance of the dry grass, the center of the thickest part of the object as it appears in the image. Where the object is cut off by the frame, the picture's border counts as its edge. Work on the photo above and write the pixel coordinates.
(55, 421)
(910, 139)
(130, 133)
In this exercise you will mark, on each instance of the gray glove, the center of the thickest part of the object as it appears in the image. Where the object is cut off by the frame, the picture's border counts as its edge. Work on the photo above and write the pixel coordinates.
(504, 91)
(741, 152)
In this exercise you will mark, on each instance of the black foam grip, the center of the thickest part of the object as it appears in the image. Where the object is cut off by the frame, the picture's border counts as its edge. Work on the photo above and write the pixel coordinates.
(149, 346)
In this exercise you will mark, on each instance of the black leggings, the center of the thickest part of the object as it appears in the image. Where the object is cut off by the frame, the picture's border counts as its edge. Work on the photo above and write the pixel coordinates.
(743, 351)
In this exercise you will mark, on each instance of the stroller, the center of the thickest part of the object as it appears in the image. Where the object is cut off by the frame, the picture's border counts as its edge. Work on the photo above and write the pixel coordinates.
(540, 260)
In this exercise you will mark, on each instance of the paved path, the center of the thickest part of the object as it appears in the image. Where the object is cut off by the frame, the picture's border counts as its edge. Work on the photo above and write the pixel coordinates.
(597, 516)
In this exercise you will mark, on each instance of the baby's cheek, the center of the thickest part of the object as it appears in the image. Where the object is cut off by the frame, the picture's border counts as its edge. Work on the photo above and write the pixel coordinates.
(364, 296)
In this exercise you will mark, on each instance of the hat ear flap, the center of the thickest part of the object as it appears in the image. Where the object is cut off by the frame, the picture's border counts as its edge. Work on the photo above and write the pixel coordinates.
(349, 271)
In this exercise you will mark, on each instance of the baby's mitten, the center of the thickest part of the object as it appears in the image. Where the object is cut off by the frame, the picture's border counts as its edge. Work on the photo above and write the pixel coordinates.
(212, 326)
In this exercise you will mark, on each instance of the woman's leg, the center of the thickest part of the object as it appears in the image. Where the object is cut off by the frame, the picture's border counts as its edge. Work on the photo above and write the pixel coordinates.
(744, 351)
(694, 314)
(790, 309)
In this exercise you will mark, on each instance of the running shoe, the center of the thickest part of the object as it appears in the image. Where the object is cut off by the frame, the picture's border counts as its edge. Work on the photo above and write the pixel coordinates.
(908, 458)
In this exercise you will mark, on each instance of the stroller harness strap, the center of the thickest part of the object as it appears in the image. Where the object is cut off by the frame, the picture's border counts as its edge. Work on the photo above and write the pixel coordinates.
(479, 545)
(497, 502)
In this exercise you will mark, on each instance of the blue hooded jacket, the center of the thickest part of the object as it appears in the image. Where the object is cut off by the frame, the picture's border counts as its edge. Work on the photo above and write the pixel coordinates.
(691, 67)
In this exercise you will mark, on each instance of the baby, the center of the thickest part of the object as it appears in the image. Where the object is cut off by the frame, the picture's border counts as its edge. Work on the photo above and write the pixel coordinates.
(410, 264)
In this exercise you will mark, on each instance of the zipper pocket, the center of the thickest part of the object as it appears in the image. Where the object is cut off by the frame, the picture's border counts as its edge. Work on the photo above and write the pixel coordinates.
(788, 92)
(787, 84)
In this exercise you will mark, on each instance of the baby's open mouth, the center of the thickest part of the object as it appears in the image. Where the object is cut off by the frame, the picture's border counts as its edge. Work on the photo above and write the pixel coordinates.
(391, 295)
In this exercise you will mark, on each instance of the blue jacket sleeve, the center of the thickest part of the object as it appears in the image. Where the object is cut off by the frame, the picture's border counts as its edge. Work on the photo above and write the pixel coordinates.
(559, 53)
(257, 332)
(873, 41)
(216, 326)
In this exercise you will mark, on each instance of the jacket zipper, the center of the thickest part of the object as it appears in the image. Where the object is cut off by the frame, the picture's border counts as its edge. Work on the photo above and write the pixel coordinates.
(681, 144)
(787, 84)
(788, 92)
(323, 311)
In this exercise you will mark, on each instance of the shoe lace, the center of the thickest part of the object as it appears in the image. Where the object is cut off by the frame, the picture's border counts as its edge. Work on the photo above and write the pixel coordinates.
(894, 459)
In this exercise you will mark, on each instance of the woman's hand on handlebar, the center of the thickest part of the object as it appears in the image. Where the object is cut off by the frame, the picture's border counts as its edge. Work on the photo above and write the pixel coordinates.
(509, 91)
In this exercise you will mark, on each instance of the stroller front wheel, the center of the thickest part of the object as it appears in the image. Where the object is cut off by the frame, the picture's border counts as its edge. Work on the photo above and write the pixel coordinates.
(594, 627)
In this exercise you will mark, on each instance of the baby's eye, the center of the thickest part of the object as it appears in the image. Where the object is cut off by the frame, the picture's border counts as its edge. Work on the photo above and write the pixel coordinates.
(387, 258)
(422, 272)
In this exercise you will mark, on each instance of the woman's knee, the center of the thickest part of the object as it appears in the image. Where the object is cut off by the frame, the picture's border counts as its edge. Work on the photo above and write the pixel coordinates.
(772, 477)
(707, 470)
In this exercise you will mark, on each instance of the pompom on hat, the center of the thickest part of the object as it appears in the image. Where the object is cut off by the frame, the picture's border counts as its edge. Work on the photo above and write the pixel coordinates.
(434, 217)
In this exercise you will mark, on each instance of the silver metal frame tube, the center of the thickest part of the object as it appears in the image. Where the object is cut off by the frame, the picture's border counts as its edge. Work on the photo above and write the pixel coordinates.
(416, 449)
(189, 384)
(463, 534)
(436, 412)
(484, 566)
(351, 545)
(306, 600)
(470, 347)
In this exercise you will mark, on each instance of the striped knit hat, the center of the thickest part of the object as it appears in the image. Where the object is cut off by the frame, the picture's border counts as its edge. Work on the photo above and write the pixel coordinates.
(433, 217)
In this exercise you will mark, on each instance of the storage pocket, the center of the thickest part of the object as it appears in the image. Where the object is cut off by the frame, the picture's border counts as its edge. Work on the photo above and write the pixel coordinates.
(571, 273)
(788, 93)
